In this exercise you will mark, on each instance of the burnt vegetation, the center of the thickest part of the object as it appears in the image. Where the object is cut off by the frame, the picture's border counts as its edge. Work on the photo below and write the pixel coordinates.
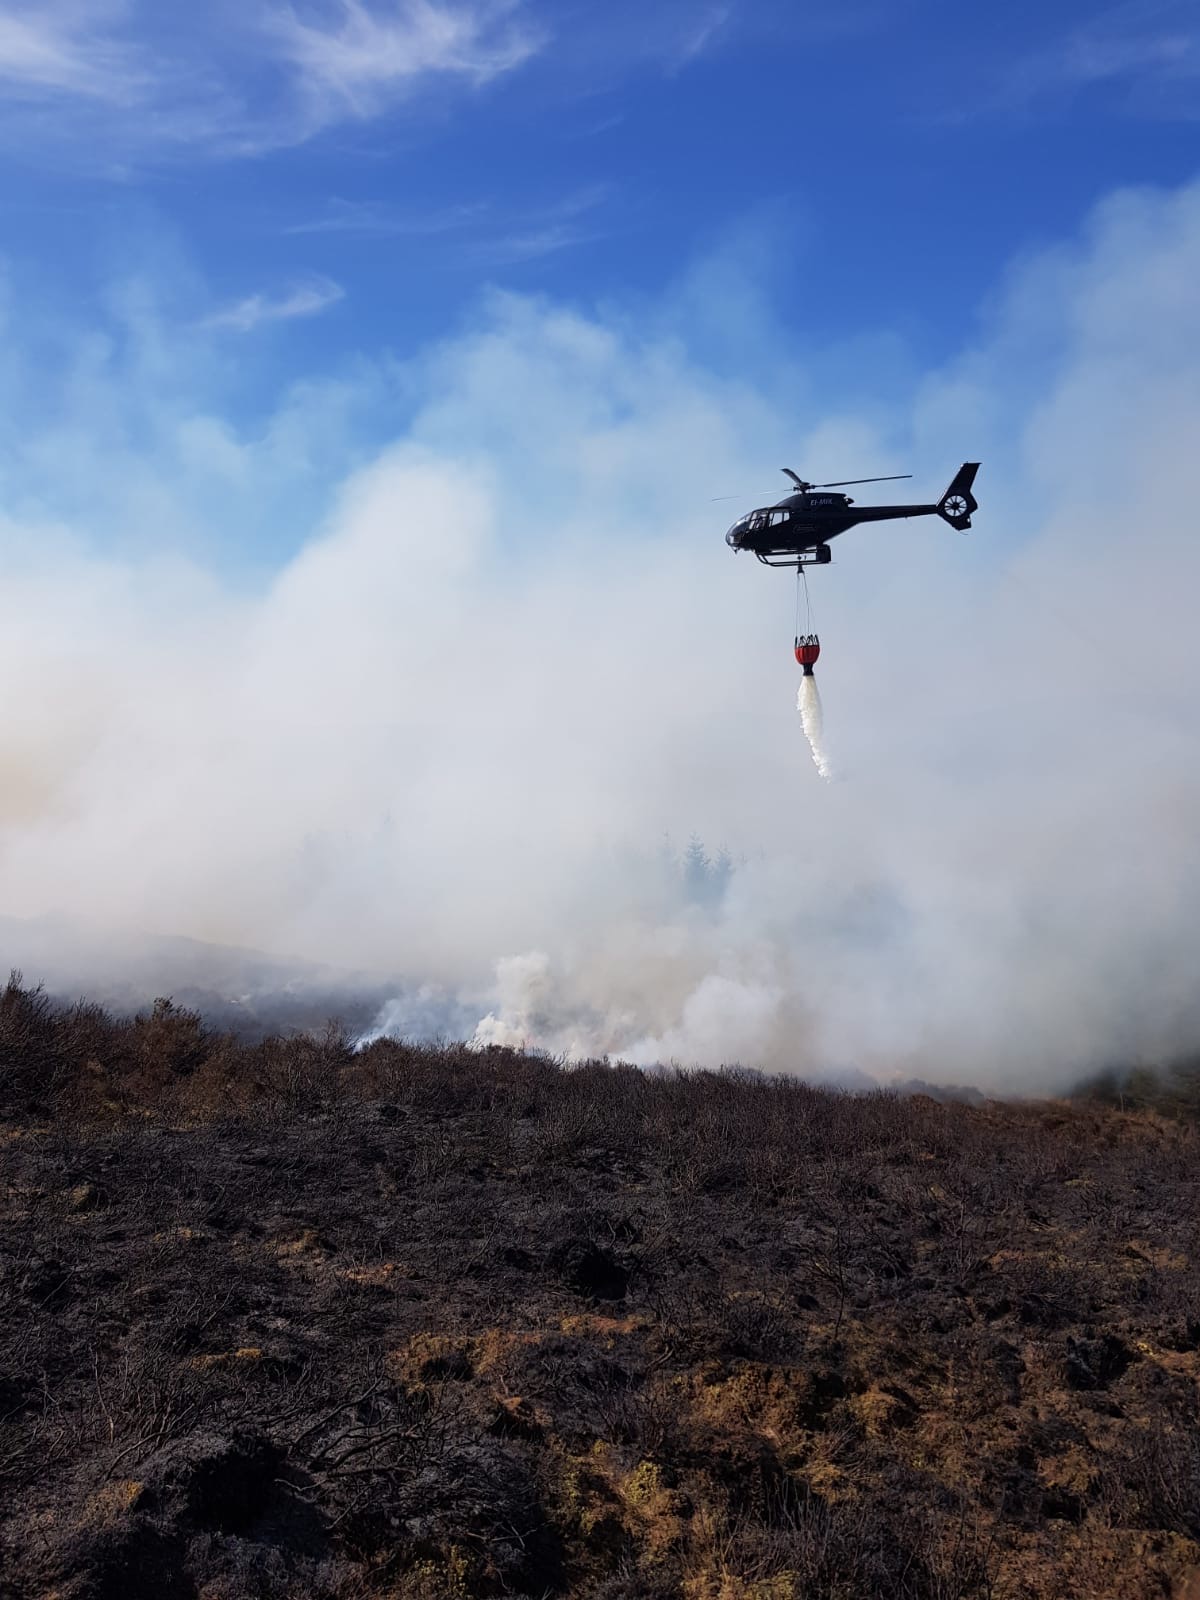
(283, 1319)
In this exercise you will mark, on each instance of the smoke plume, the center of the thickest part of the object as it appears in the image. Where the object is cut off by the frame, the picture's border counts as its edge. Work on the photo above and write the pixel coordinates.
(450, 737)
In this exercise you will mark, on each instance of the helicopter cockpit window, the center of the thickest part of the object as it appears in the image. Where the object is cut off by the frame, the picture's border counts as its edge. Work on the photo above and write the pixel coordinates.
(780, 516)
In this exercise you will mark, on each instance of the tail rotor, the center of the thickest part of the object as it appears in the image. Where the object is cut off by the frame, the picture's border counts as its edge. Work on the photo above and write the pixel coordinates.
(957, 504)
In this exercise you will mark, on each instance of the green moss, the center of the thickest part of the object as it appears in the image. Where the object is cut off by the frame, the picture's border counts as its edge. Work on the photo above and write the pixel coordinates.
(783, 1586)
(644, 1484)
(443, 1580)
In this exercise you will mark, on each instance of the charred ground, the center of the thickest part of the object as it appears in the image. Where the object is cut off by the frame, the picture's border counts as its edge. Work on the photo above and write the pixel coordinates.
(279, 1319)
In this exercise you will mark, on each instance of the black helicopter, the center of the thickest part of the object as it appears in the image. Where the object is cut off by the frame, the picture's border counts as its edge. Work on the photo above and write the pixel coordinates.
(795, 532)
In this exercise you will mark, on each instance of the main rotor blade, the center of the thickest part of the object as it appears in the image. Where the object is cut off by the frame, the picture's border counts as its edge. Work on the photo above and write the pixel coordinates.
(844, 483)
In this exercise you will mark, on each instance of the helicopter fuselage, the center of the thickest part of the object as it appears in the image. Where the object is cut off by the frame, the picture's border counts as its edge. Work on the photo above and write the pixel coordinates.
(796, 531)
(805, 522)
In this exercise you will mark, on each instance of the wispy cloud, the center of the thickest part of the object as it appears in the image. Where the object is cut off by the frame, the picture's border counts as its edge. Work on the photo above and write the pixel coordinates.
(354, 58)
(1148, 48)
(534, 243)
(113, 81)
(602, 47)
(48, 51)
(479, 229)
(563, 226)
(305, 299)
(374, 219)
(701, 34)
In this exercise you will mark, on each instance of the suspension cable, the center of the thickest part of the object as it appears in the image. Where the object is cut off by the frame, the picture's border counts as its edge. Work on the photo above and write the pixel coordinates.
(802, 581)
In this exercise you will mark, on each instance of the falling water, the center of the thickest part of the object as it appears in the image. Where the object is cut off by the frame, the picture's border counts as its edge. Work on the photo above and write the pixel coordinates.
(808, 704)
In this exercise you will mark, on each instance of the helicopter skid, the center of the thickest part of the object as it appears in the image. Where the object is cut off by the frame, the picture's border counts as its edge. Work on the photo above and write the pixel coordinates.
(819, 556)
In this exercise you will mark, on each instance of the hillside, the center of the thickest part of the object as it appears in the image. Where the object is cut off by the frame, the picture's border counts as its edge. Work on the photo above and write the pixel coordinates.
(282, 1320)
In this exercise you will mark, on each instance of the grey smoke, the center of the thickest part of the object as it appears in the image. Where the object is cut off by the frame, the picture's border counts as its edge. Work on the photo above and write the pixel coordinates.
(438, 747)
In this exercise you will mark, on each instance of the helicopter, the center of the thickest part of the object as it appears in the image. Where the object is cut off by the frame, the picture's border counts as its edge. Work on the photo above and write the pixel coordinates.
(795, 532)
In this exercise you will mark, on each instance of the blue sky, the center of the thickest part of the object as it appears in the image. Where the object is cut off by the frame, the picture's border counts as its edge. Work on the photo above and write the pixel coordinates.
(343, 176)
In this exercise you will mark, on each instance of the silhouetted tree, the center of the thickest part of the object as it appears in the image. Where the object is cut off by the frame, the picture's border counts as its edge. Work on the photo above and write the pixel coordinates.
(696, 868)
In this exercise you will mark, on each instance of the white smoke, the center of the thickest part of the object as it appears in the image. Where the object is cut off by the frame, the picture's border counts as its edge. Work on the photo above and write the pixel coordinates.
(454, 721)
(525, 1006)
(808, 703)
(425, 1013)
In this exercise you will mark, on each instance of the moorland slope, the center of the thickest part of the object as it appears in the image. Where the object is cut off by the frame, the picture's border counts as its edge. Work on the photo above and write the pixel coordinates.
(285, 1320)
